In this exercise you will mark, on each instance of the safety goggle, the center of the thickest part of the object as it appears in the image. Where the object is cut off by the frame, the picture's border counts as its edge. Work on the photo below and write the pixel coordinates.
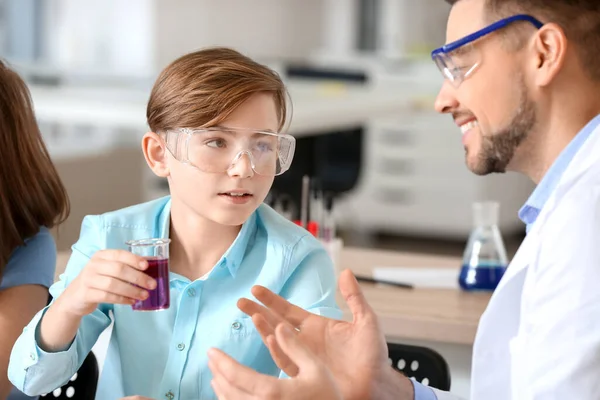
(217, 149)
(454, 61)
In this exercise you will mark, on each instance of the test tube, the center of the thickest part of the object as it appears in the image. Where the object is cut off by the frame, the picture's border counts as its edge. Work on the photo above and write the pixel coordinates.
(328, 220)
(316, 207)
(304, 201)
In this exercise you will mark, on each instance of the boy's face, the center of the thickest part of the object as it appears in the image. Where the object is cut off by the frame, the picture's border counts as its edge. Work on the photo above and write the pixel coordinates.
(230, 197)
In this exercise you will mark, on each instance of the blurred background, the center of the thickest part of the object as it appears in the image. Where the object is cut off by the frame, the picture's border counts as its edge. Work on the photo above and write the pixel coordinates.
(362, 86)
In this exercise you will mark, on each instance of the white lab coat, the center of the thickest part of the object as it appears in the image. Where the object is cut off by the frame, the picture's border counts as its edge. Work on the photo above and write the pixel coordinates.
(539, 337)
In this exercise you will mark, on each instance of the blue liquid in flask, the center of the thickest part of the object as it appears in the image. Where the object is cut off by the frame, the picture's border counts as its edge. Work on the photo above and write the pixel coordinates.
(484, 259)
(481, 277)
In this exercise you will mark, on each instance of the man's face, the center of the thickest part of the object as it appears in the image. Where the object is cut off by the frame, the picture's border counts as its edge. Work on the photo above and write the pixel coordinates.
(491, 106)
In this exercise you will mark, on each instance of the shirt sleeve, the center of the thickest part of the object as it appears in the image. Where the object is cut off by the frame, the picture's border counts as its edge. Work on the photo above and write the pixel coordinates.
(312, 284)
(34, 371)
(423, 392)
(33, 263)
(439, 395)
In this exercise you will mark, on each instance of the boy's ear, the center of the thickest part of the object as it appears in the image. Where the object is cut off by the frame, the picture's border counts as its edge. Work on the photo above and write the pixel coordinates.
(156, 154)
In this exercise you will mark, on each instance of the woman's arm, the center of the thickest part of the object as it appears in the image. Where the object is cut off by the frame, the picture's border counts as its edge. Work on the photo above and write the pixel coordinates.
(33, 370)
(18, 305)
(23, 292)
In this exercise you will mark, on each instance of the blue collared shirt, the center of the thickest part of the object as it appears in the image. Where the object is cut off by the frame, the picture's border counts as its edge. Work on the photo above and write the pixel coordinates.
(163, 355)
(533, 206)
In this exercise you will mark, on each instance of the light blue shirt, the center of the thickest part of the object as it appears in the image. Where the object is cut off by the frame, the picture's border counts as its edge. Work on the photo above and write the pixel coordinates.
(533, 206)
(163, 355)
(31, 264)
(423, 392)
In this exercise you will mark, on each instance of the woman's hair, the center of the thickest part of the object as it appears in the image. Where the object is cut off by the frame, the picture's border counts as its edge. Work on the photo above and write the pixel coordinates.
(203, 88)
(31, 193)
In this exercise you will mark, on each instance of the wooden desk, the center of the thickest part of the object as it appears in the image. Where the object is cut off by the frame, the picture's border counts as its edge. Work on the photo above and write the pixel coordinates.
(440, 315)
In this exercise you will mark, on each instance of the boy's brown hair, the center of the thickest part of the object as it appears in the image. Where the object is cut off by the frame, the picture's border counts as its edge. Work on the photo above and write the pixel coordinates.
(203, 88)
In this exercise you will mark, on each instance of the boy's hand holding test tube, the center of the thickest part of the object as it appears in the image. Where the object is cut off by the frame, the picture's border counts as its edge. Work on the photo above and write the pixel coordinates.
(111, 276)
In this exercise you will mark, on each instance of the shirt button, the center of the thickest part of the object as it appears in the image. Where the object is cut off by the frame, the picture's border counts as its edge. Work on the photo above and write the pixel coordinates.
(32, 356)
(169, 395)
(180, 346)
(236, 325)
(191, 292)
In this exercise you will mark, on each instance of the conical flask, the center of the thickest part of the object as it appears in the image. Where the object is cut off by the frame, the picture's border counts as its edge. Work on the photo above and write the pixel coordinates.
(484, 259)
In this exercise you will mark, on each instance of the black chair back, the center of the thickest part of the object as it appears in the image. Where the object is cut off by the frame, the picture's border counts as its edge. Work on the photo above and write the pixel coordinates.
(423, 364)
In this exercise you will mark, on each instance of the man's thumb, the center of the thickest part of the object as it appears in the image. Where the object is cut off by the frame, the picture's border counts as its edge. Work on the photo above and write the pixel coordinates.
(354, 296)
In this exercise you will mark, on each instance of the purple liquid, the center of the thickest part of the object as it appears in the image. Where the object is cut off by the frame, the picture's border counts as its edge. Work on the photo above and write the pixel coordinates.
(481, 278)
(159, 298)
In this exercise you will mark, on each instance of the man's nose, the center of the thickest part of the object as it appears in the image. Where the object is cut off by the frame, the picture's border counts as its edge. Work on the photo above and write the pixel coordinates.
(446, 100)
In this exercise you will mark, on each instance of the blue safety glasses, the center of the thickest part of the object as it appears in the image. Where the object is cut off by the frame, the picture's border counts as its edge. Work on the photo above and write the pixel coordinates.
(452, 59)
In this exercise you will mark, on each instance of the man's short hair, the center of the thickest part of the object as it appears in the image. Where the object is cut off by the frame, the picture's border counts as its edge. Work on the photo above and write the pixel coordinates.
(580, 20)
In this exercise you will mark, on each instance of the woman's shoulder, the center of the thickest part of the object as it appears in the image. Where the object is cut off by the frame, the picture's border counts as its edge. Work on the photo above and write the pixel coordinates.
(32, 263)
(35, 248)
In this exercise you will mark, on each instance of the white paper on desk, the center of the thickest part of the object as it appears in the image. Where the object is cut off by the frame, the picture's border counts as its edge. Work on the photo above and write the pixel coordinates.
(435, 278)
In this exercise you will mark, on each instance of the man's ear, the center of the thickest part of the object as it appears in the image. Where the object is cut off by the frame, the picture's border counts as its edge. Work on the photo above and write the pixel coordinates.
(550, 49)
(155, 153)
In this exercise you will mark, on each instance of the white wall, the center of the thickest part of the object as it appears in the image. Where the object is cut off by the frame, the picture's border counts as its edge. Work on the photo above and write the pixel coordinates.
(103, 38)
(408, 26)
(137, 38)
(262, 29)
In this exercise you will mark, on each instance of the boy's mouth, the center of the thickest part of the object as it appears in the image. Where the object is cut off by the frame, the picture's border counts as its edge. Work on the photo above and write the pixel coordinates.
(236, 194)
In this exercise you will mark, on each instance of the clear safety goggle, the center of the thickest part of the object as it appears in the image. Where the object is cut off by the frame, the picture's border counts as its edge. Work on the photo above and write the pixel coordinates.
(457, 67)
(217, 149)
(457, 60)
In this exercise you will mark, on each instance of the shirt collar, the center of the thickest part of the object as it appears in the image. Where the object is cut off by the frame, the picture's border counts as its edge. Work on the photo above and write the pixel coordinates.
(533, 206)
(234, 256)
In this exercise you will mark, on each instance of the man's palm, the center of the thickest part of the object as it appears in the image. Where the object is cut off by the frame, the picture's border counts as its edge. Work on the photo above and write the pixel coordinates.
(355, 352)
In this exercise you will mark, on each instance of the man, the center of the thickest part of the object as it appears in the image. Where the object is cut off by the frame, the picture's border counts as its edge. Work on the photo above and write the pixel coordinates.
(523, 85)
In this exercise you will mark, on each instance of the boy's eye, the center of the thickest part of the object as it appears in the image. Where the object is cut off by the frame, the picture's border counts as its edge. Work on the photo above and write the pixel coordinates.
(264, 146)
(216, 143)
